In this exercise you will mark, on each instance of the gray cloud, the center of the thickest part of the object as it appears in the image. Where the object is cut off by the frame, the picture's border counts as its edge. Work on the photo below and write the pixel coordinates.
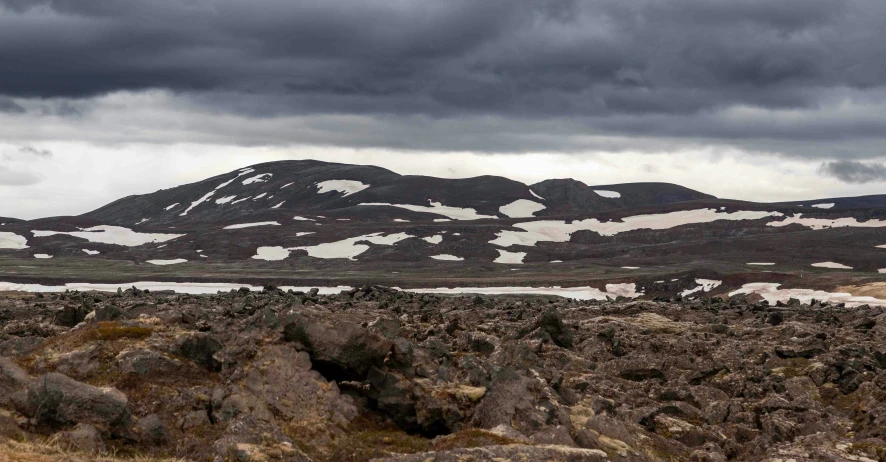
(11, 177)
(9, 106)
(681, 71)
(849, 171)
(30, 150)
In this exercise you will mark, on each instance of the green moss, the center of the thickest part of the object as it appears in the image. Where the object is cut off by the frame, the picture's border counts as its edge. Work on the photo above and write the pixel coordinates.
(114, 331)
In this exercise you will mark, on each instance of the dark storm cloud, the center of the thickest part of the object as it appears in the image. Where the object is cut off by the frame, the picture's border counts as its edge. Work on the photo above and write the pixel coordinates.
(643, 67)
(849, 171)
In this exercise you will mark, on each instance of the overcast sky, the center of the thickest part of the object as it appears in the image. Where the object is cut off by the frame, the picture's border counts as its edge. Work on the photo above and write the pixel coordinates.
(749, 99)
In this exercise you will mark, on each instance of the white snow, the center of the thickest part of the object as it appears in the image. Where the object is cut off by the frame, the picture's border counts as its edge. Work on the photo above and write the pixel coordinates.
(262, 178)
(225, 200)
(12, 241)
(116, 235)
(180, 287)
(435, 239)
(349, 248)
(441, 220)
(91, 252)
(42, 255)
(447, 257)
(556, 261)
(303, 219)
(824, 223)
(578, 293)
(831, 265)
(278, 205)
(630, 267)
(211, 193)
(304, 233)
(829, 205)
(197, 202)
(536, 195)
(252, 225)
(521, 208)
(881, 246)
(760, 264)
(271, 253)
(560, 231)
(347, 187)
(171, 206)
(437, 208)
(286, 185)
(771, 293)
(240, 200)
(143, 220)
(167, 262)
(510, 258)
(342, 219)
(400, 220)
(259, 196)
(607, 194)
(706, 285)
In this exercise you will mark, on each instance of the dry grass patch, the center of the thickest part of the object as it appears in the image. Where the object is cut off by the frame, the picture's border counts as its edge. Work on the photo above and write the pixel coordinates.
(49, 451)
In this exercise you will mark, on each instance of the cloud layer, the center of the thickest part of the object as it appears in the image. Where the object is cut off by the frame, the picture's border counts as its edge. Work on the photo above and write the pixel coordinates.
(762, 74)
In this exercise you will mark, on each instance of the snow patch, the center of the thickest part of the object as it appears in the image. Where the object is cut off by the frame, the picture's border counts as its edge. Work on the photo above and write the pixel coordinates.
(510, 258)
(240, 200)
(304, 233)
(447, 257)
(400, 220)
(252, 225)
(271, 253)
(42, 256)
(536, 195)
(760, 264)
(706, 285)
(143, 220)
(197, 202)
(347, 187)
(630, 267)
(12, 241)
(171, 206)
(831, 265)
(262, 178)
(167, 262)
(113, 235)
(556, 261)
(259, 196)
(607, 194)
(287, 185)
(90, 252)
(578, 293)
(303, 219)
(770, 292)
(437, 208)
(278, 205)
(349, 248)
(829, 205)
(194, 288)
(435, 239)
(225, 200)
(521, 208)
(560, 231)
(824, 223)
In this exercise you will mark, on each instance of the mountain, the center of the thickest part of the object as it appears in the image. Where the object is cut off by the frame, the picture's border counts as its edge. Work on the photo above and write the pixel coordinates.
(344, 224)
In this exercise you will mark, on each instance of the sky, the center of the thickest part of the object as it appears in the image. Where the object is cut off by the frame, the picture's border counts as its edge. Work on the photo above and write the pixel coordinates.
(746, 99)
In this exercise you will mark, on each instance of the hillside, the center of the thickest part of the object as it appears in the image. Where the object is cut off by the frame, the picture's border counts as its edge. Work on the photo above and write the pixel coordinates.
(319, 223)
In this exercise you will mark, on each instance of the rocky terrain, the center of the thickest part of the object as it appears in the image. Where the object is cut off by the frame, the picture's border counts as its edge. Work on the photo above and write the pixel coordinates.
(378, 374)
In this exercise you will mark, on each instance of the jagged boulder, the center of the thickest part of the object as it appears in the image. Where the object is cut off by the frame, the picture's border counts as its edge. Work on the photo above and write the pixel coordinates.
(57, 400)
(347, 347)
(12, 379)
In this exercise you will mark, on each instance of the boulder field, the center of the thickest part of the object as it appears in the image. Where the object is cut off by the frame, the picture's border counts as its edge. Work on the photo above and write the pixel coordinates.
(378, 374)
